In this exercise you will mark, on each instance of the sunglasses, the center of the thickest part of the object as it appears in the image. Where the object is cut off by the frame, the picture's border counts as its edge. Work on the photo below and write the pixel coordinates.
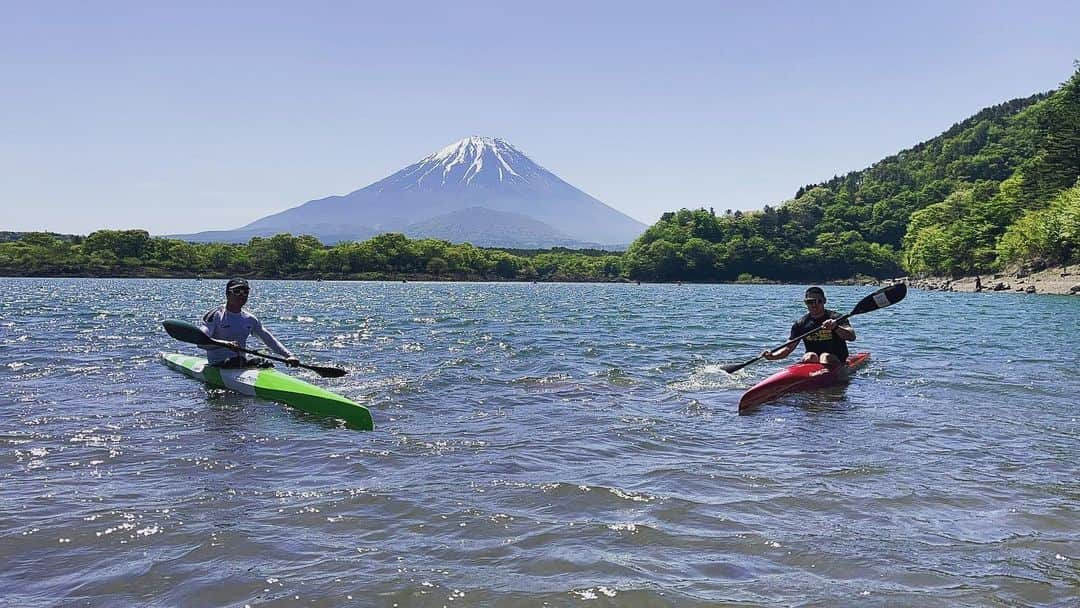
(809, 302)
(240, 291)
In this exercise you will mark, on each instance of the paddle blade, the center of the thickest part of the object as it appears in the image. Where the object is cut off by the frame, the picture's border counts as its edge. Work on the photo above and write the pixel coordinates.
(185, 332)
(734, 367)
(886, 296)
(327, 372)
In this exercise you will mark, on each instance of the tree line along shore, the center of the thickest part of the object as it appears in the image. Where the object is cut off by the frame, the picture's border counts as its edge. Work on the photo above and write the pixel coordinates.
(135, 254)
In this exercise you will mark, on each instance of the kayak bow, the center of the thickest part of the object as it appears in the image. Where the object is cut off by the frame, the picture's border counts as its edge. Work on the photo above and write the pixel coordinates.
(799, 377)
(275, 386)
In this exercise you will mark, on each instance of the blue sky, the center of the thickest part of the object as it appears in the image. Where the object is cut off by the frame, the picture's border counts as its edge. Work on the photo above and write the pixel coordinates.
(179, 117)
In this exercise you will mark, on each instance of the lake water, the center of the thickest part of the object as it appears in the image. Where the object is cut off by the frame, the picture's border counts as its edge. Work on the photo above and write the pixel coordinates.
(558, 444)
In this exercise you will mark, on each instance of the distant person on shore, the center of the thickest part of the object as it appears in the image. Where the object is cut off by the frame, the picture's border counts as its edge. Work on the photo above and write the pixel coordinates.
(978, 283)
(231, 323)
(827, 345)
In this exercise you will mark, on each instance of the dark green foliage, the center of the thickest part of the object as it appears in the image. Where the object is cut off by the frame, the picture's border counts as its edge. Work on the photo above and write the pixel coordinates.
(6, 237)
(1045, 236)
(1055, 164)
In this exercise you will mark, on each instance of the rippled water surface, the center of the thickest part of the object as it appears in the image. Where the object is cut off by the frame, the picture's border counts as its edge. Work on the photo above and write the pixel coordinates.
(556, 444)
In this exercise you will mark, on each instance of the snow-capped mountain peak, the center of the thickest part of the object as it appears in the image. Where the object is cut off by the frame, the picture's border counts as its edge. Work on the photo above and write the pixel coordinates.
(473, 161)
(474, 145)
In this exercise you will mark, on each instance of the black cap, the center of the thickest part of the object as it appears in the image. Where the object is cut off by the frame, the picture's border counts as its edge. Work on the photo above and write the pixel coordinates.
(815, 291)
(237, 283)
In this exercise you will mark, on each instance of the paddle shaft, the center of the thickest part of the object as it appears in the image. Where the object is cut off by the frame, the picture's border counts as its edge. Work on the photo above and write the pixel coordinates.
(186, 332)
(332, 372)
(839, 320)
(886, 296)
(734, 368)
(224, 344)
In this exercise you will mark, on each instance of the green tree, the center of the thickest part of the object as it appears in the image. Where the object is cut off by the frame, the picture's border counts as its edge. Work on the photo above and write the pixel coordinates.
(118, 243)
(437, 266)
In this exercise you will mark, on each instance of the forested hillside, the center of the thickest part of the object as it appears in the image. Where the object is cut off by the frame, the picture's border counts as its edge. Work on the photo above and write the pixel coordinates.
(995, 189)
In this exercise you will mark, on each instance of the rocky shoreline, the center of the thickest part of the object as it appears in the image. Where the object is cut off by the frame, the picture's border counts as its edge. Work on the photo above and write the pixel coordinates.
(1059, 280)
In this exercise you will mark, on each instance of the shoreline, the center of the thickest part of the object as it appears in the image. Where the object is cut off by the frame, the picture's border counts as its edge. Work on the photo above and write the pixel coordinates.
(1056, 280)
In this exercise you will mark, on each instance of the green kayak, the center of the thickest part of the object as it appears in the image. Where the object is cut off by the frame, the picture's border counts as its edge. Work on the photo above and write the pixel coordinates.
(274, 385)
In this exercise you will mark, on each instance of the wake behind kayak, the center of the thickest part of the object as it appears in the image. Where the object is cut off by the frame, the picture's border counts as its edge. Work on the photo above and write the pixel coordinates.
(275, 386)
(799, 378)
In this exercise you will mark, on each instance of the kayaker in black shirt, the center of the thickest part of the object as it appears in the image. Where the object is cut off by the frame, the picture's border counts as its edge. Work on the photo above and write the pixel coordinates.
(828, 345)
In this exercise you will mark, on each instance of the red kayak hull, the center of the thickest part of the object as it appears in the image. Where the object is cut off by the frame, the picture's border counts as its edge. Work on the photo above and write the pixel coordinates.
(798, 378)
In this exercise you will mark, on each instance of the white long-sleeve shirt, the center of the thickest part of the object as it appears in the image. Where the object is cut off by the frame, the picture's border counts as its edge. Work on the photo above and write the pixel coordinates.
(221, 324)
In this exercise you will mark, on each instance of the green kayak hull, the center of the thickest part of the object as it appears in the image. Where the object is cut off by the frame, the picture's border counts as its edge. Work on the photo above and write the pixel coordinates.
(275, 386)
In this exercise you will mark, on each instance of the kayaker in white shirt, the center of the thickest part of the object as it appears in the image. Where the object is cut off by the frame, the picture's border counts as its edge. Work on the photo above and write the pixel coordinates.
(231, 323)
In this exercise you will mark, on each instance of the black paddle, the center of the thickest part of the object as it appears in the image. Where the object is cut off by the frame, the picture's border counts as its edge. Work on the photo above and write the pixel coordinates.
(186, 332)
(886, 296)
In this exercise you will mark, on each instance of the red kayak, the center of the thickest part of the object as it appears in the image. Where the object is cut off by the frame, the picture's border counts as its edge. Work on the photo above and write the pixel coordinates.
(800, 377)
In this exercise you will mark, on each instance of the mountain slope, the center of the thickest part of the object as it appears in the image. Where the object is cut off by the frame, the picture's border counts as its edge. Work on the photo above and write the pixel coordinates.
(487, 176)
(476, 225)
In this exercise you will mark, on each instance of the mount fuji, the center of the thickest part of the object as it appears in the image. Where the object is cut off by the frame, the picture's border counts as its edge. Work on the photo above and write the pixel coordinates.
(479, 190)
